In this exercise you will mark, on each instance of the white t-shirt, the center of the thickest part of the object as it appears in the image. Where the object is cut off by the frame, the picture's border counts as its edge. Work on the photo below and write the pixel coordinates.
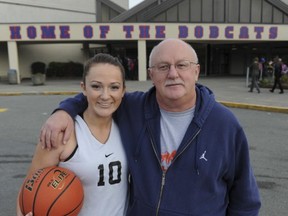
(173, 128)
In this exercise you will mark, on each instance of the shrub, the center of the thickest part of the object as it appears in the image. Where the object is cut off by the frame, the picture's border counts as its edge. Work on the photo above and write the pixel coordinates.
(265, 82)
(38, 67)
(268, 83)
(284, 79)
(64, 69)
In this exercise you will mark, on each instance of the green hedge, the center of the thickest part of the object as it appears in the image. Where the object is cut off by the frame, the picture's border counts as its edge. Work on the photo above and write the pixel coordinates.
(268, 82)
(38, 67)
(64, 69)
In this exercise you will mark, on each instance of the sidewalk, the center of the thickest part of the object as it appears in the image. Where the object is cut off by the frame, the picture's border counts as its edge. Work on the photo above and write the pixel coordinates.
(230, 91)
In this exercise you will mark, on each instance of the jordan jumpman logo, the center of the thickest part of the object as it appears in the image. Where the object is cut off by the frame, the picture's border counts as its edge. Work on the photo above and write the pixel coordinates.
(203, 156)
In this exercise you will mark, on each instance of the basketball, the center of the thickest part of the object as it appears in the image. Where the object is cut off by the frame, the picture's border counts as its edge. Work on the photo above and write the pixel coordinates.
(51, 191)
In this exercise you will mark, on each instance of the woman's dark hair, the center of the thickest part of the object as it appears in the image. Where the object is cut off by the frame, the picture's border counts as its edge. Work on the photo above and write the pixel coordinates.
(103, 58)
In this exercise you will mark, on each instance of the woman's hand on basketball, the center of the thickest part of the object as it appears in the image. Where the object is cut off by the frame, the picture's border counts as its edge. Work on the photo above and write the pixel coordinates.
(58, 122)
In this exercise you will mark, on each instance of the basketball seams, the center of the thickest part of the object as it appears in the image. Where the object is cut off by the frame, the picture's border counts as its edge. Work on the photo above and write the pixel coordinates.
(59, 202)
(52, 204)
(72, 212)
(37, 190)
(21, 197)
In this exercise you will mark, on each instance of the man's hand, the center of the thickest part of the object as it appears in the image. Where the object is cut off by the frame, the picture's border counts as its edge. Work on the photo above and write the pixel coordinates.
(58, 122)
(20, 214)
(29, 214)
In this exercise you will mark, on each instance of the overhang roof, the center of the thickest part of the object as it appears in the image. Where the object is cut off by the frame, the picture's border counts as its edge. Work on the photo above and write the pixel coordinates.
(112, 5)
(133, 11)
(148, 9)
(280, 5)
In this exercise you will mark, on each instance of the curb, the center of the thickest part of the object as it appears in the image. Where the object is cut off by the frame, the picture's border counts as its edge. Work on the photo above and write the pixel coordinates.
(225, 103)
(40, 93)
(254, 107)
(3, 109)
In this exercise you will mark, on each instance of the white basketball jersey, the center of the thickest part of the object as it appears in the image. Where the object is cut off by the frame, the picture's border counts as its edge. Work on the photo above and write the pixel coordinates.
(103, 171)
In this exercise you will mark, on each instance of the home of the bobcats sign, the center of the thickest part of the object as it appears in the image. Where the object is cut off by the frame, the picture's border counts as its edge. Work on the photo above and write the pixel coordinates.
(147, 31)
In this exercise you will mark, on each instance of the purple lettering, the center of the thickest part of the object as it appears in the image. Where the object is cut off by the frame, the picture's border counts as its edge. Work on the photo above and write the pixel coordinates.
(128, 29)
(15, 32)
(31, 32)
(160, 31)
(244, 32)
(214, 32)
(183, 32)
(88, 31)
(199, 31)
(273, 33)
(64, 32)
(258, 31)
(229, 32)
(104, 31)
(144, 31)
(48, 32)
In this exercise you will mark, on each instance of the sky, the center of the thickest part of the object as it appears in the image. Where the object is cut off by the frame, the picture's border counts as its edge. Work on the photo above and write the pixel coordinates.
(132, 3)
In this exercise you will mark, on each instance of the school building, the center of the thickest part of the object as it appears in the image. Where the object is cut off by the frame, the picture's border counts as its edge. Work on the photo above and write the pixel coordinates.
(226, 34)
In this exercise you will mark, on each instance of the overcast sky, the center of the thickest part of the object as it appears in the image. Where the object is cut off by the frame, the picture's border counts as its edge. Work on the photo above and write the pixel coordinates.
(132, 3)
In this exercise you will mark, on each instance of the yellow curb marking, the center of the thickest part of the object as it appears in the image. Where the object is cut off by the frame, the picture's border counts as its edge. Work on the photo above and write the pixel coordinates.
(61, 93)
(3, 110)
(11, 94)
(255, 107)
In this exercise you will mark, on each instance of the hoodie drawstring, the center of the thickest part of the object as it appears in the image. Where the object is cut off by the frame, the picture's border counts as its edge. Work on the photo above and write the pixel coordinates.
(196, 157)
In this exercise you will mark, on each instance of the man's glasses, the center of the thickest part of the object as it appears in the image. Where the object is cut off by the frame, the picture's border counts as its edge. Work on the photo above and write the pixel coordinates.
(179, 66)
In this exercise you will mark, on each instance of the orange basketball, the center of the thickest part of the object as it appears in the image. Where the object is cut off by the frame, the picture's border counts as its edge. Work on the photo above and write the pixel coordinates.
(51, 191)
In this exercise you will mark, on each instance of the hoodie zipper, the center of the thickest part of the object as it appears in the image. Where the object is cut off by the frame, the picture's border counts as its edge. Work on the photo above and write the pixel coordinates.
(161, 192)
(164, 172)
(163, 177)
(186, 146)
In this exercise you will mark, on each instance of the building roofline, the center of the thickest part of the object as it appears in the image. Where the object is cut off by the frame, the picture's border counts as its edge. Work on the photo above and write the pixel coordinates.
(133, 11)
(279, 5)
(165, 5)
(161, 6)
(113, 6)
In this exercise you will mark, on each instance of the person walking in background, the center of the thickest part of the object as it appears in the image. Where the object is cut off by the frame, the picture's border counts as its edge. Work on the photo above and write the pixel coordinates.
(94, 150)
(284, 68)
(187, 153)
(254, 75)
(261, 68)
(277, 75)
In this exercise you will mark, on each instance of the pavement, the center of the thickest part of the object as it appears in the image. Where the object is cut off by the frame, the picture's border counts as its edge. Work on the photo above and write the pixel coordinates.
(230, 91)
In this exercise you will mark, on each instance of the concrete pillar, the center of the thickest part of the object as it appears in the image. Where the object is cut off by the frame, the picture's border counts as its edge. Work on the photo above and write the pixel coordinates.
(142, 60)
(13, 58)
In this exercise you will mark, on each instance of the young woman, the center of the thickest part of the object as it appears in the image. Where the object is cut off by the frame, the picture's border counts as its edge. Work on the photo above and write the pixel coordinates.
(94, 151)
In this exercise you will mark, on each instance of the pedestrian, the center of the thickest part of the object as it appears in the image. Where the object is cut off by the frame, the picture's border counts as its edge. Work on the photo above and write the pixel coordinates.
(254, 68)
(263, 68)
(284, 68)
(277, 75)
(187, 153)
(94, 150)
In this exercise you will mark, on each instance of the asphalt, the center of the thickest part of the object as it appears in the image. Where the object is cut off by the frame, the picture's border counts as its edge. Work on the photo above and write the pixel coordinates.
(230, 91)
